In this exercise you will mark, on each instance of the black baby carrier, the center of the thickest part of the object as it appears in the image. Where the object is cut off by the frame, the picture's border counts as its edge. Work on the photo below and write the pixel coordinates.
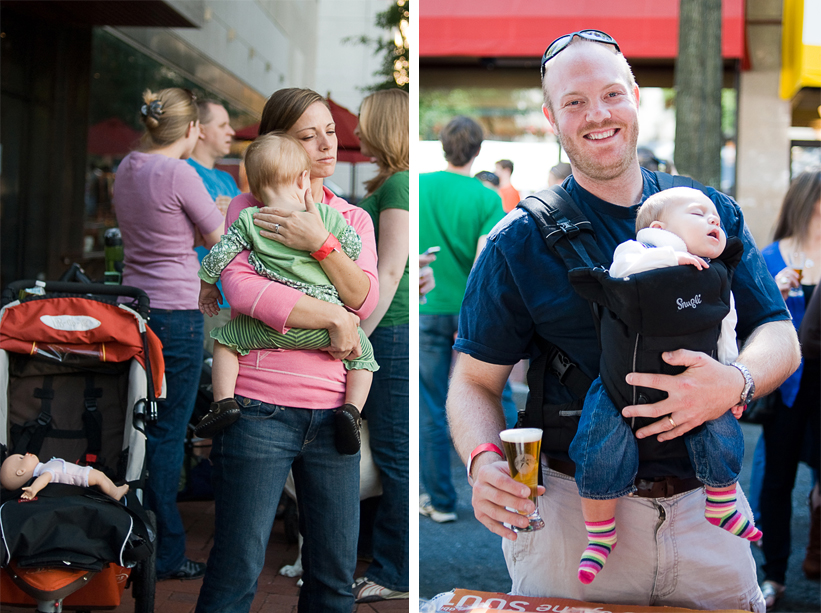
(569, 234)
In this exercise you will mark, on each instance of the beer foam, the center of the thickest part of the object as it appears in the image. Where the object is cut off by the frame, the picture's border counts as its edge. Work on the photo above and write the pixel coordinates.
(521, 435)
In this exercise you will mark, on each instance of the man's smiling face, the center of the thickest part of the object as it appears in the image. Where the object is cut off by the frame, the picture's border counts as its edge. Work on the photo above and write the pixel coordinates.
(594, 109)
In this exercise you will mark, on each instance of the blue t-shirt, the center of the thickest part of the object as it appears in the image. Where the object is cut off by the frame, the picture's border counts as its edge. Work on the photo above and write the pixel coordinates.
(217, 183)
(518, 287)
(796, 306)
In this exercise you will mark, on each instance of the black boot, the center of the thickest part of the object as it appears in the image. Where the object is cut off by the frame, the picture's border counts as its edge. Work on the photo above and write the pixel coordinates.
(222, 414)
(347, 422)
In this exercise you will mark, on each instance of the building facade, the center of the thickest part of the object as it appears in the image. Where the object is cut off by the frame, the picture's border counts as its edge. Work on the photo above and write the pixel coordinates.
(70, 84)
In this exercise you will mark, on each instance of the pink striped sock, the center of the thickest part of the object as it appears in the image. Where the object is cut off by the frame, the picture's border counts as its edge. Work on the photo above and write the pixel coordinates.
(721, 511)
(602, 540)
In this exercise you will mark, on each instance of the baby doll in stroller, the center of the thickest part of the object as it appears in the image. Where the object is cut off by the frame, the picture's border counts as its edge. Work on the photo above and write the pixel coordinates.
(17, 469)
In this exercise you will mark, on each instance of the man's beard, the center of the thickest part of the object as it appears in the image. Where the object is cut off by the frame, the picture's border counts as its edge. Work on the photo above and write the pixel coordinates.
(593, 169)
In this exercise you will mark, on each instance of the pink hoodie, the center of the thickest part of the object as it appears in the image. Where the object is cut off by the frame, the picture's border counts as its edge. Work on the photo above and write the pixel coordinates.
(303, 379)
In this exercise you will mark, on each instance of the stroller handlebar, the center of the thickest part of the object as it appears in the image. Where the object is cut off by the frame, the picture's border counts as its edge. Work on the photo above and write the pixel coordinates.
(11, 292)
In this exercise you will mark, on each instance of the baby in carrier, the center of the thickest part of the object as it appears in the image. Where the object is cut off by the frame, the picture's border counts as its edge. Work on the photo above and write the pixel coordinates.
(690, 307)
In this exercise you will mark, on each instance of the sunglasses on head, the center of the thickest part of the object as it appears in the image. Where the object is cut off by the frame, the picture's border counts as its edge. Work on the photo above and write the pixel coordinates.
(560, 44)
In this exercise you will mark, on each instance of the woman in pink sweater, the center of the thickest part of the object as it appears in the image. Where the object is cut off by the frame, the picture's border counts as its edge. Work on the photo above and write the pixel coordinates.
(286, 397)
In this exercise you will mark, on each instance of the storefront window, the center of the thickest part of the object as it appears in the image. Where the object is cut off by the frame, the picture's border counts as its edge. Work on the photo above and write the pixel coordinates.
(120, 74)
(803, 155)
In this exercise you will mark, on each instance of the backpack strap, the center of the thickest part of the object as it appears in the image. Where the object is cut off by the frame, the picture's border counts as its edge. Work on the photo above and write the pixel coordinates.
(92, 423)
(565, 229)
(568, 234)
(29, 437)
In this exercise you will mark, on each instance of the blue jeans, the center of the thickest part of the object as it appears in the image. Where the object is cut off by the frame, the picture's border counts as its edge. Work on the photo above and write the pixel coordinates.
(607, 459)
(435, 351)
(388, 414)
(181, 335)
(251, 462)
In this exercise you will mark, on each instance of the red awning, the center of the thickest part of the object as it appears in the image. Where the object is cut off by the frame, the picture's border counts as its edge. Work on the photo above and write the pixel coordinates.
(523, 28)
(112, 137)
(348, 147)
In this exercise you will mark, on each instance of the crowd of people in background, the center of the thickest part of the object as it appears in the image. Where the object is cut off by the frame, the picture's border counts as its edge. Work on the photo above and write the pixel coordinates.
(169, 197)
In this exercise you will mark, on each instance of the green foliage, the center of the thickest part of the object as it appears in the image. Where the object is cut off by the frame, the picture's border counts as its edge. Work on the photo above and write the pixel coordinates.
(729, 112)
(395, 69)
(437, 107)
(729, 108)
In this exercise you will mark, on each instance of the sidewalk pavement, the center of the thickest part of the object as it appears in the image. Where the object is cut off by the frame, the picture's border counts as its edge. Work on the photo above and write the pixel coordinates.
(275, 593)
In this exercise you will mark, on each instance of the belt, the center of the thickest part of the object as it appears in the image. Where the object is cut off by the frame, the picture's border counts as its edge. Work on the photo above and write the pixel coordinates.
(661, 487)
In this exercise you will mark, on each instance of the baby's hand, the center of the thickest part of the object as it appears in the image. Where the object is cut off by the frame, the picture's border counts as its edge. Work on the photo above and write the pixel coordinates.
(738, 410)
(209, 299)
(28, 493)
(688, 259)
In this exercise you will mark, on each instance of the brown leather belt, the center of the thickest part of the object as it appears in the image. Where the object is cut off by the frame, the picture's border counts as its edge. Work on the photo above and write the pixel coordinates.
(662, 487)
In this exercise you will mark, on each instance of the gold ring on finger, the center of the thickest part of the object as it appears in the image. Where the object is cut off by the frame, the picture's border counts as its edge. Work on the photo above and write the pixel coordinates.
(670, 419)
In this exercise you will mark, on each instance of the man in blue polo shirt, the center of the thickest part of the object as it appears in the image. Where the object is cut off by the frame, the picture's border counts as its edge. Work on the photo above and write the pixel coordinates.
(216, 136)
(668, 554)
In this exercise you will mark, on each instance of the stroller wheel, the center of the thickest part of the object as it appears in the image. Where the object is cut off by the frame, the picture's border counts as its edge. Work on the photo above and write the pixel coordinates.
(144, 577)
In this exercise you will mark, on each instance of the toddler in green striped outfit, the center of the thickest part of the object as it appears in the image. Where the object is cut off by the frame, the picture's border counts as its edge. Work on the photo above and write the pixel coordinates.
(278, 170)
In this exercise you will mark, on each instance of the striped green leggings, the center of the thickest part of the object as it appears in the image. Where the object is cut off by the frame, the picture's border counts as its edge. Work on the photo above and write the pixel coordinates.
(245, 333)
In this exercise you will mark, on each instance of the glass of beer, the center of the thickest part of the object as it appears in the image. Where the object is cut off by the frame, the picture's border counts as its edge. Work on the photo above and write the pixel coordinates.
(796, 261)
(522, 449)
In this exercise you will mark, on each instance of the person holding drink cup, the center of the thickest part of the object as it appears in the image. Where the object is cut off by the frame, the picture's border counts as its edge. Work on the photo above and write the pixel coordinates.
(797, 230)
(670, 555)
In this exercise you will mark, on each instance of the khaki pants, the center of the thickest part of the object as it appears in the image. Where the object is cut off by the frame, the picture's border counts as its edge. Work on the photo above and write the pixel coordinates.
(667, 554)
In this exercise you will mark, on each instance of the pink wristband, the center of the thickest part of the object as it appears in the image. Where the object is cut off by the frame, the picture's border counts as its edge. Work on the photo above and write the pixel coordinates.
(331, 243)
(481, 449)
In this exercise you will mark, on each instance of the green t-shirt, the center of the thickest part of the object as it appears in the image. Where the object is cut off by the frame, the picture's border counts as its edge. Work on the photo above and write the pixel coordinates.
(454, 211)
(392, 194)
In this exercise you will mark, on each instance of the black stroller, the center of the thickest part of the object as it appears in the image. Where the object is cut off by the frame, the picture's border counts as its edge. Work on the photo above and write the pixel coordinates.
(80, 374)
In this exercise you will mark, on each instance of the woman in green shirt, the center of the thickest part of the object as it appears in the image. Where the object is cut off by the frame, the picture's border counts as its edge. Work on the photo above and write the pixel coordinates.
(383, 133)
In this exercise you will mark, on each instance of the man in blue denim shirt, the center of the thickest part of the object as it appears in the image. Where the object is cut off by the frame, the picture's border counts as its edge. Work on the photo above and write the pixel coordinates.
(669, 554)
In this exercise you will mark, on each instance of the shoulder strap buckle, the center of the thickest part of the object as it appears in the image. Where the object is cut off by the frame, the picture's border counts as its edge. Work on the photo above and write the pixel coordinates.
(560, 364)
(569, 229)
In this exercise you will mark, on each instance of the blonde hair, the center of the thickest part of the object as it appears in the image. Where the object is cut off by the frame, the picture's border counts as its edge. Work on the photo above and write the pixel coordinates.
(383, 129)
(655, 207)
(167, 115)
(274, 160)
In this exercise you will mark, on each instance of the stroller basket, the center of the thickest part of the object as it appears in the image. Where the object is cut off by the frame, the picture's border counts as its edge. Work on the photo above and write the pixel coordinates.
(80, 374)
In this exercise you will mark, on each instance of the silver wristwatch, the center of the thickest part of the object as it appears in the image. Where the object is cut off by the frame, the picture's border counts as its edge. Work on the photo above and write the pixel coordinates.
(749, 385)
